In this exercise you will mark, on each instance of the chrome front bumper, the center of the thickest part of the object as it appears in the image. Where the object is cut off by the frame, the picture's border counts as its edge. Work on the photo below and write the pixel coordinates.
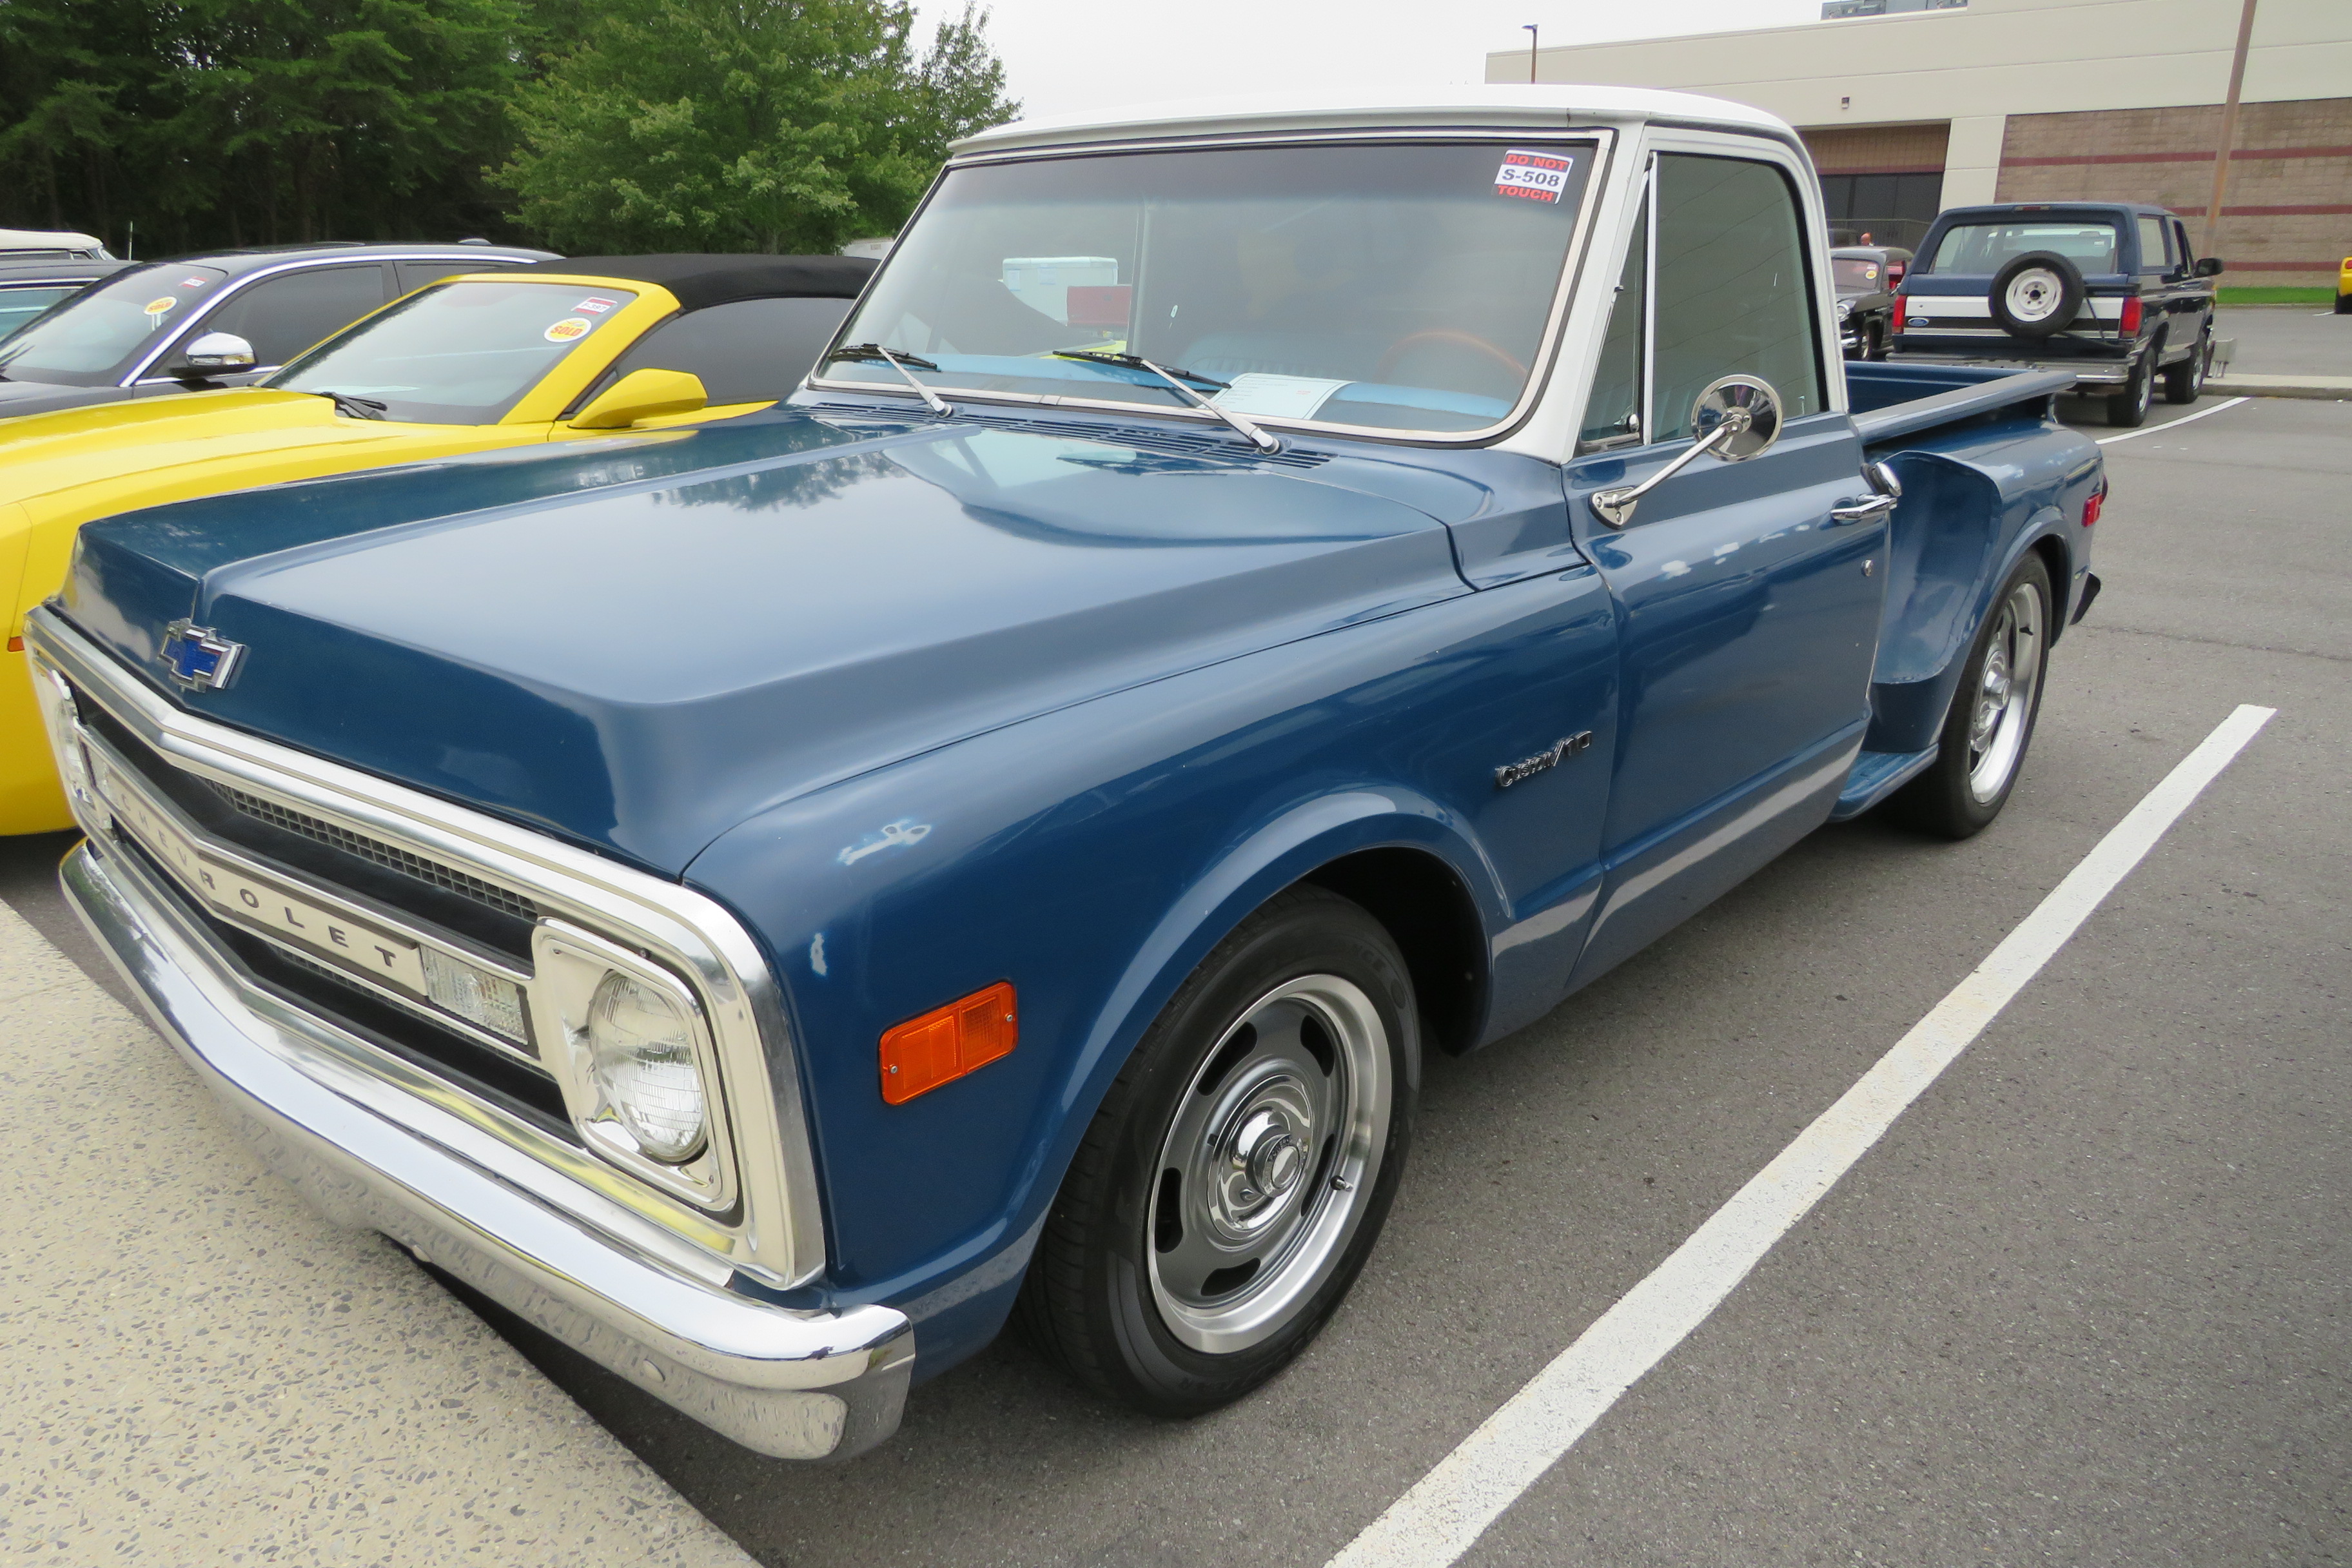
(793, 1384)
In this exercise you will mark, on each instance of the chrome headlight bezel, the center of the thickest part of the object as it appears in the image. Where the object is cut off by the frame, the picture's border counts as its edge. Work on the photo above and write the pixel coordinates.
(568, 964)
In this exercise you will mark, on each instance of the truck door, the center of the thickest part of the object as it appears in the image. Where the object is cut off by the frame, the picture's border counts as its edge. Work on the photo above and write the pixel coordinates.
(1748, 616)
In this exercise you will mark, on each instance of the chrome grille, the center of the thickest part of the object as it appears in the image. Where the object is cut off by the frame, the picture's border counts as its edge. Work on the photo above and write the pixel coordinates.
(389, 856)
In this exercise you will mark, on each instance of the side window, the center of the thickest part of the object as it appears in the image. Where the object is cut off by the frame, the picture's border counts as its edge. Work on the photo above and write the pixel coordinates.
(1613, 413)
(2181, 244)
(1732, 293)
(748, 351)
(282, 316)
(2151, 245)
(18, 306)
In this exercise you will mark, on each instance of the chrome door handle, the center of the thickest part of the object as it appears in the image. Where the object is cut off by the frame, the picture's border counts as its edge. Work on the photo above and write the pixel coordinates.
(1862, 510)
(1888, 490)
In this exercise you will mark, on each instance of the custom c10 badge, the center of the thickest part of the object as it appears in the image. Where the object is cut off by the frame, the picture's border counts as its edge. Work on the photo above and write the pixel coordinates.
(569, 330)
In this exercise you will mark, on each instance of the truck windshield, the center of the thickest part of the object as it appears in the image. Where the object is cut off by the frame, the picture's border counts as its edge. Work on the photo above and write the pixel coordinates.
(462, 353)
(1404, 286)
(94, 338)
(1987, 246)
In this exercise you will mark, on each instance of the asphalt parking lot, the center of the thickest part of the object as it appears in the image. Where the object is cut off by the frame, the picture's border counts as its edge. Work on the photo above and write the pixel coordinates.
(2084, 1303)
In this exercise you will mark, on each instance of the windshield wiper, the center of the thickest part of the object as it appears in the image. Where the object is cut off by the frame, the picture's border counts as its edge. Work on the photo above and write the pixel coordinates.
(898, 361)
(1257, 438)
(351, 405)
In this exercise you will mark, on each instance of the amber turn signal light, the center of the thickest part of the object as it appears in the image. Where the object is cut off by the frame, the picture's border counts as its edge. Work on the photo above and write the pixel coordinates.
(947, 1042)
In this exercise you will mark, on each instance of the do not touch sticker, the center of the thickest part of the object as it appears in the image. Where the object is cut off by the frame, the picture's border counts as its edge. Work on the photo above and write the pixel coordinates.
(1533, 176)
(569, 329)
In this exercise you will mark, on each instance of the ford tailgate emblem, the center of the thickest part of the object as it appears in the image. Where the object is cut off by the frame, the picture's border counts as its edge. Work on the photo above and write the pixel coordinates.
(197, 659)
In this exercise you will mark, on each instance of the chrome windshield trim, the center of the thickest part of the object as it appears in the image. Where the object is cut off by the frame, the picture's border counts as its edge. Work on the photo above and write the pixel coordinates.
(780, 1234)
(1601, 139)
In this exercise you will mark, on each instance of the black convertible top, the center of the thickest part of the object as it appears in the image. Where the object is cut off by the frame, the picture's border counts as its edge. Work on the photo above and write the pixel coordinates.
(701, 281)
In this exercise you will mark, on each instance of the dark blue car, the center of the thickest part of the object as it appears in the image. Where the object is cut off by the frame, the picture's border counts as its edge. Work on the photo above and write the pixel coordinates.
(1245, 602)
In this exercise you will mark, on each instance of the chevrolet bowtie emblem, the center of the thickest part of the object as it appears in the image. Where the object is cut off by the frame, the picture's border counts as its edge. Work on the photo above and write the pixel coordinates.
(197, 659)
(1543, 761)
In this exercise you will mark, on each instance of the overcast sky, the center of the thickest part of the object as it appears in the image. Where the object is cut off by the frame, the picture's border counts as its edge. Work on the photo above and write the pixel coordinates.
(1068, 56)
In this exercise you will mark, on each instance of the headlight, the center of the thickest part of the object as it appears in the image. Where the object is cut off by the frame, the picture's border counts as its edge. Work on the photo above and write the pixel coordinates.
(642, 1049)
(1845, 309)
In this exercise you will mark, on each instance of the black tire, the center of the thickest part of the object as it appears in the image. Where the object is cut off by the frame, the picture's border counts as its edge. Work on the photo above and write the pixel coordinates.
(2344, 304)
(2129, 408)
(2037, 295)
(1093, 1298)
(1873, 342)
(2185, 382)
(1952, 799)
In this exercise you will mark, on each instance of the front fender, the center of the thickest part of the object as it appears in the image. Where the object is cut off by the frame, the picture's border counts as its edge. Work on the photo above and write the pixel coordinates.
(1093, 856)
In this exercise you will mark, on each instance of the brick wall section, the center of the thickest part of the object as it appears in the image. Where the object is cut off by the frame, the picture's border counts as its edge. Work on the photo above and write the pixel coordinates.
(1878, 149)
(2287, 216)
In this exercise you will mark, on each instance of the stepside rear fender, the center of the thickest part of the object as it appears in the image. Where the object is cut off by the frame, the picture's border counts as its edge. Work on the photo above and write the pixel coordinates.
(1093, 856)
(1976, 497)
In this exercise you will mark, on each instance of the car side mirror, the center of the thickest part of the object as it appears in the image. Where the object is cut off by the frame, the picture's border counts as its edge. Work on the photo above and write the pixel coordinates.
(642, 395)
(1735, 419)
(214, 352)
(2210, 266)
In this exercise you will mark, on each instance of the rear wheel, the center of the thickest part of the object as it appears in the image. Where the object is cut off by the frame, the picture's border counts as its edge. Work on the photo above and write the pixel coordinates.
(1990, 723)
(1239, 1171)
(2344, 304)
(2129, 408)
(2185, 382)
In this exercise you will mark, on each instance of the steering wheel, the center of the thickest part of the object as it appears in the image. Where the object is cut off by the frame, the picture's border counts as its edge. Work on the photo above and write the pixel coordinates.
(1451, 338)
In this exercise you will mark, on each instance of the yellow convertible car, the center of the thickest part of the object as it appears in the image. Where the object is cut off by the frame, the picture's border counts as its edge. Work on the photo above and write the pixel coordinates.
(555, 351)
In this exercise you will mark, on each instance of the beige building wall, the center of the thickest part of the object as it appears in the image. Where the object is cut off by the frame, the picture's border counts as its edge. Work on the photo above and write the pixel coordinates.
(2117, 98)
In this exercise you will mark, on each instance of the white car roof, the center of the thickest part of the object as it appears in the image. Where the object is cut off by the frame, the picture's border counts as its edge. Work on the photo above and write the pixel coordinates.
(1535, 106)
(48, 239)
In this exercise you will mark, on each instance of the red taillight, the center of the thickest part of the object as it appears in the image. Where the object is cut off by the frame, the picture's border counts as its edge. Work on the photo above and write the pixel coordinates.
(1901, 309)
(2096, 505)
(2129, 325)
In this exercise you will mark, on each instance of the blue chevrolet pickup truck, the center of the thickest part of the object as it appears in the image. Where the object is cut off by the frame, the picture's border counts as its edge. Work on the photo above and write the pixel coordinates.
(1249, 599)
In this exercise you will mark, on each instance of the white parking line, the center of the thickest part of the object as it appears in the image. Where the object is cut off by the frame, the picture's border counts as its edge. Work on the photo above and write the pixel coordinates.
(2169, 424)
(1447, 1509)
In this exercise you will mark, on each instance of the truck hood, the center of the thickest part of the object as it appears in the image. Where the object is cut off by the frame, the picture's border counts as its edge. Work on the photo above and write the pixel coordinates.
(641, 645)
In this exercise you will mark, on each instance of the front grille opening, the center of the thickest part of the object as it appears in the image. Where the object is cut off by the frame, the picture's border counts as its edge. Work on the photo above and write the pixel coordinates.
(382, 854)
(299, 843)
(321, 990)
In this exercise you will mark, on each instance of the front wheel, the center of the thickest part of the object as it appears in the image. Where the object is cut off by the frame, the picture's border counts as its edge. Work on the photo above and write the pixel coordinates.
(1990, 723)
(2129, 408)
(1239, 1171)
(2185, 382)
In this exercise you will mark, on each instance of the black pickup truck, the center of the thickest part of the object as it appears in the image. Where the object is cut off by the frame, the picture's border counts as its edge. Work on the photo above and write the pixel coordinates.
(2109, 290)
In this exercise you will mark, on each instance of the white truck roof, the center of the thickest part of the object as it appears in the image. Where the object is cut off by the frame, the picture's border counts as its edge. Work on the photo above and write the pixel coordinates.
(42, 239)
(1533, 105)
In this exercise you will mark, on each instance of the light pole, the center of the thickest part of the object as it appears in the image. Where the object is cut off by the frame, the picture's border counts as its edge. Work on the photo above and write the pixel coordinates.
(2229, 124)
(1529, 28)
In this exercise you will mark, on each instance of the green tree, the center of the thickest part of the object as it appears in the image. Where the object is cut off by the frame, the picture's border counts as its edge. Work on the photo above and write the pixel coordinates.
(256, 121)
(745, 125)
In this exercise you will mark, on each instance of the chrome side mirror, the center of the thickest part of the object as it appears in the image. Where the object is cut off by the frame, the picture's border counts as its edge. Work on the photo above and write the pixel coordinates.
(217, 350)
(1736, 418)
